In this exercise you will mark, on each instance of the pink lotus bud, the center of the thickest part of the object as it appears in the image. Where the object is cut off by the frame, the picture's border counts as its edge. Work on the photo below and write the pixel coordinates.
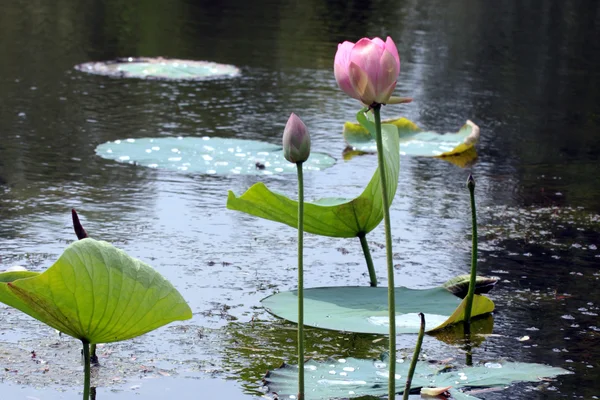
(296, 140)
(368, 70)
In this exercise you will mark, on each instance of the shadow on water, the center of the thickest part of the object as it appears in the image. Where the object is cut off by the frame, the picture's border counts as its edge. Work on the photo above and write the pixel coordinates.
(523, 71)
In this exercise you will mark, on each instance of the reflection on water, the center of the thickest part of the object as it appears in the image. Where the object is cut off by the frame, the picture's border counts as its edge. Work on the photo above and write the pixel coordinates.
(523, 71)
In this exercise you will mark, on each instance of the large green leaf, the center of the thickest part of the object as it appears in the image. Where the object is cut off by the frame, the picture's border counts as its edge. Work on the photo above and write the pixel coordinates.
(348, 378)
(415, 142)
(96, 293)
(208, 155)
(365, 309)
(328, 217)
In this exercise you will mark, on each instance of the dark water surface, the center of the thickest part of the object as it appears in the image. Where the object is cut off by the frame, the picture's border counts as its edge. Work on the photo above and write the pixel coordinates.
(526, 72)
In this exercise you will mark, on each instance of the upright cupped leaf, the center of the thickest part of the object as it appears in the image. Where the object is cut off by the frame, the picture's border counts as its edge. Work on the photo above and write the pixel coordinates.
(328, 217)
(96, 293)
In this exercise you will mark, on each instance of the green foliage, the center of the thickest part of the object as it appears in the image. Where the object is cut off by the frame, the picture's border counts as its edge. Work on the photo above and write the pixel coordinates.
(365, 309)
(95, 293)
(413, 141)
(331, 216)
(348, 378)
(205, 155)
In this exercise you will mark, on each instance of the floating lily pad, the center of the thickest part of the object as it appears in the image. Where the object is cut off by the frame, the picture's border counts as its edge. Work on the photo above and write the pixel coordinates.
(96, 293)
(351, 377)
(365, 310)
(160, 68)
(207, 155)
(414, 141)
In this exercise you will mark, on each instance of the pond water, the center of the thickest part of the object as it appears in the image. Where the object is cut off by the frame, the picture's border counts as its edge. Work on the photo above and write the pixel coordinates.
(525, 72)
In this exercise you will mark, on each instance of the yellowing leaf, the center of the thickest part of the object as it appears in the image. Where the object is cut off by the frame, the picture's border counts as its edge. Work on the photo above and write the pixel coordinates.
(434, 392)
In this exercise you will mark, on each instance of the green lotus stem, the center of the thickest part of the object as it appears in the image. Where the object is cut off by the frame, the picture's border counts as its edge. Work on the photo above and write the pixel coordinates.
(468, 347)
(389, 254)
(86, 370)
(471, 292)
(93, 356)
(300, 282)
(365, 246)
(415, 358)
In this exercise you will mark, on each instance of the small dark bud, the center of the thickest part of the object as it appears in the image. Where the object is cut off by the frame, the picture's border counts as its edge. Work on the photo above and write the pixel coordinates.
(79, 231)
(471, 182)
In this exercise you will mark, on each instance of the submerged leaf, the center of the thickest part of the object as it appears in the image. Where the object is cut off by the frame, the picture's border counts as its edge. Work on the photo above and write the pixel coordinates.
(414, 142)
(348, 378)
(160, 68)
(208, 155)
(328, 217)
(96, 293)
(365, 309)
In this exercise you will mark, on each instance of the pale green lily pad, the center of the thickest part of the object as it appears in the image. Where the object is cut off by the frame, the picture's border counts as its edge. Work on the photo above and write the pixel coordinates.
(414, 141)
(207, 155)
(332, 216)
(351, 377)
(364, 309)
(95, 293)
(160, 68)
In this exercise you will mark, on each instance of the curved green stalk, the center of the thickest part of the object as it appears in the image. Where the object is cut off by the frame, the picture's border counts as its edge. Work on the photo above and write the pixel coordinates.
(86, 370)
(365, 247)
(300, 282)
(471, 293)
(415, 358)
(389, 254)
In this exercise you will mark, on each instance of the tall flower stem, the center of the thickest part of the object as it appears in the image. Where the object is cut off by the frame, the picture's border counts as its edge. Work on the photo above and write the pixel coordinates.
(415, 358)
(86, 370)
(300, 281)
(471, 292)
(389, 254)
(365, 247)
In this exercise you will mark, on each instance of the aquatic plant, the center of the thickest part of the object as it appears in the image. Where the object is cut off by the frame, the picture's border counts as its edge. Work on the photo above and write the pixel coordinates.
(472, 282)
(368, 71)
(296, 149)
(96, 293)
(334, 217)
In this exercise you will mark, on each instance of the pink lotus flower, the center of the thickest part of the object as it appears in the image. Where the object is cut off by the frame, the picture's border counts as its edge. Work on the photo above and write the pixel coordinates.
(368, 70)
(296, 140)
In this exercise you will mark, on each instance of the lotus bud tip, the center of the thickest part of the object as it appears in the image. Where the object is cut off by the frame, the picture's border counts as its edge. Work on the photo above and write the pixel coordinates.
(471, 182)
(296, 140)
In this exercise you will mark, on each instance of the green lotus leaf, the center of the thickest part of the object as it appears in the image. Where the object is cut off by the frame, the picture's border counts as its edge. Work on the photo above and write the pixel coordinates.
(95, 293)
(351, 377)
(206, 155)
(365, 309)
(415, 142)
(332, 216)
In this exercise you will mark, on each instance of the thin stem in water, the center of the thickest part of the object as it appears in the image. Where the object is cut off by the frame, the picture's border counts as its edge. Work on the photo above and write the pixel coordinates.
(300, 282)
(365, 247)
(389, 254)
(415, 358)
(86, 370)
(93, 355)
(471, 292)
